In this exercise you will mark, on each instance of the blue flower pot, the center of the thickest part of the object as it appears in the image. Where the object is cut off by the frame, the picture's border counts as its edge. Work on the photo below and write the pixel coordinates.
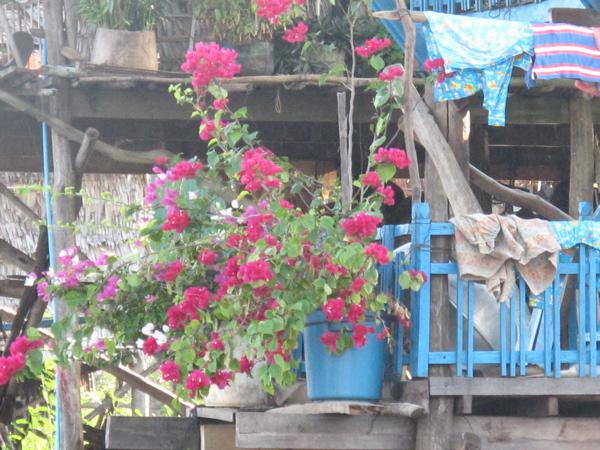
(356, 374)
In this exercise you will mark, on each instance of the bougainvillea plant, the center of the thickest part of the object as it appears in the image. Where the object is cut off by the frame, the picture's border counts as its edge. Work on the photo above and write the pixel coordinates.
(236, 250)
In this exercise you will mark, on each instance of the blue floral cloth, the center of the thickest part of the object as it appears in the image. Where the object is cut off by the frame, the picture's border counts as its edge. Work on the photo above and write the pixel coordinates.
(480, 55)
(569, 234)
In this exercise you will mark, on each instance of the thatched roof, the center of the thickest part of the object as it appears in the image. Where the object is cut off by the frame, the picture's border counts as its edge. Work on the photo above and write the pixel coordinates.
(103, 226)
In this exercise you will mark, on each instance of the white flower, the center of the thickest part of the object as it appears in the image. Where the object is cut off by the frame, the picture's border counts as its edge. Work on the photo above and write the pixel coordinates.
(159, 337)
(148, 329)
(235, 204)
(166, 328)
(139, 343)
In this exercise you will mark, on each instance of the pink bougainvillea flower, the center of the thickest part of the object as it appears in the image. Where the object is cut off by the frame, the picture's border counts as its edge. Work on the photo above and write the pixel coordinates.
(161, 160)
(10, 365)
(272, 10)
(334, 309)
(207, 257)
(431, 65)
(372, 46)
(382, 334)
(393, 156)
(296, 34)
(222, 379)
(246, 365)
(170, 371)
(23, 344)
(215, 342)
(330, 338)
(258, 170)
(220, 104)
(42, 291)
(199, 296)
(357, 284)
(355, 312)
(169, 271)
(150, 346)
(361, 226)
(391, 72)
(359, 336)
(389, 198)
(110, 289)
(371, 179)
(378, 252)
(255, 271)
(177, 220)
(184, 170)
(285, 204)
(196, 380)
(176, 317)
(208, 61)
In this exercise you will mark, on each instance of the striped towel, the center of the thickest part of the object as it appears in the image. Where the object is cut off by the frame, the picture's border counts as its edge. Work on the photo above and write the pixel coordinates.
(565, 51)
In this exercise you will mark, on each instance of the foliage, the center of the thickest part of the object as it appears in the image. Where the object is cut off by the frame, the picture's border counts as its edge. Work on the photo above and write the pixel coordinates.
(235, 251)
(130, 15)
(36, 430)
(234, 22)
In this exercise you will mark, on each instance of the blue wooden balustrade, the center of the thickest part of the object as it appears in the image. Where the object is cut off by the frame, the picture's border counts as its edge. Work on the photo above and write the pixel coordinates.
(529, 326)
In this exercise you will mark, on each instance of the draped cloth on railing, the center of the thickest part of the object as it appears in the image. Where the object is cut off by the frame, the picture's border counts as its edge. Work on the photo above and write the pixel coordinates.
(489, 248)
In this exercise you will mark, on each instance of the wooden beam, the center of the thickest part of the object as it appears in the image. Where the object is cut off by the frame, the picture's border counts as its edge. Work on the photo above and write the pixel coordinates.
(73, 134)
(345, 155)
(513, 387)
(415, 16)
(353, 409)
(581, 173)
(508, 433)
(583, 17)
(141, 383)
(152, 433)
(18, 203)
(516, 197)
(326, 431)
(457, 189)
(90, 137)
(15, 257)
(11, 288)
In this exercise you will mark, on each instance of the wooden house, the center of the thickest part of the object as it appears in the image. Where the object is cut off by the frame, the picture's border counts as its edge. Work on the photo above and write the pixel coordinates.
(535, 388)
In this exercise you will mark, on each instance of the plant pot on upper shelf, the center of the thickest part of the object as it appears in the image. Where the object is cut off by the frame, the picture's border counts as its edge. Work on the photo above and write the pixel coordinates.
(126, 35)
(356, 374)
(121, 48)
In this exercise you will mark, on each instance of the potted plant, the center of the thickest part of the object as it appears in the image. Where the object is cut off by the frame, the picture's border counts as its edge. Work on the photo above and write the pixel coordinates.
(125, 36)
(236, 25)
(238, 254)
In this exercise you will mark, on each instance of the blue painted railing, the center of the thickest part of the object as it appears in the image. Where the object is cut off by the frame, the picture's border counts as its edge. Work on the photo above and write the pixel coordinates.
(529, 327)
(465, 6)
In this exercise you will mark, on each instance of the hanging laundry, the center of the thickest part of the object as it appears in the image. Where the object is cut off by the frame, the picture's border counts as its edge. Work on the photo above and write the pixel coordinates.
(571, 233)
(479, 55)
(567, 51)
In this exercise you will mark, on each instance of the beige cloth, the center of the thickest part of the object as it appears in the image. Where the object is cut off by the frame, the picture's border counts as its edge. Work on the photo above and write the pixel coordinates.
(489, 248)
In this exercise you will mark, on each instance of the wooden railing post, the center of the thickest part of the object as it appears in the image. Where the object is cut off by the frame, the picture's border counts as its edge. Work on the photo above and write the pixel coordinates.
(420, 301)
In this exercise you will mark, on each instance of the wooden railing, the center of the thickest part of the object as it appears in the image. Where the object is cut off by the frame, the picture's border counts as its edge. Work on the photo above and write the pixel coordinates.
(509, 337)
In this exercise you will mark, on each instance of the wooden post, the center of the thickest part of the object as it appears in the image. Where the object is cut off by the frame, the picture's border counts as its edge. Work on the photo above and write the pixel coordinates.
(434, 431)
(480, 158)
(581, 179)
(345, 152)
(69, 423)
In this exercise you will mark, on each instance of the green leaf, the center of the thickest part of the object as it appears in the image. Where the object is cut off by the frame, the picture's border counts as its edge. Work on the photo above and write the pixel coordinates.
(381, 98)
(376, 62)
(292, 248)
(377, 143)
(386, 172)
(213, 159)
(134, 280)
(404, 280)
(74, 299)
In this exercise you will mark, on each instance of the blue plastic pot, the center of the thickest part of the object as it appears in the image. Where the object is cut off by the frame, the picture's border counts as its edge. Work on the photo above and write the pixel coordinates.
(356, 374)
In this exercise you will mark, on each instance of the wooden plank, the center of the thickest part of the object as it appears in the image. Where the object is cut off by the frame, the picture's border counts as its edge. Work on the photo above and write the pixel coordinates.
(582, 153)
(353, 409)
(519, 433)
(15, 257)
(414, 391)
(152, 433)
(584, 17)
(465, 441)
(326, 431)
(220, 414)
(517, 387)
